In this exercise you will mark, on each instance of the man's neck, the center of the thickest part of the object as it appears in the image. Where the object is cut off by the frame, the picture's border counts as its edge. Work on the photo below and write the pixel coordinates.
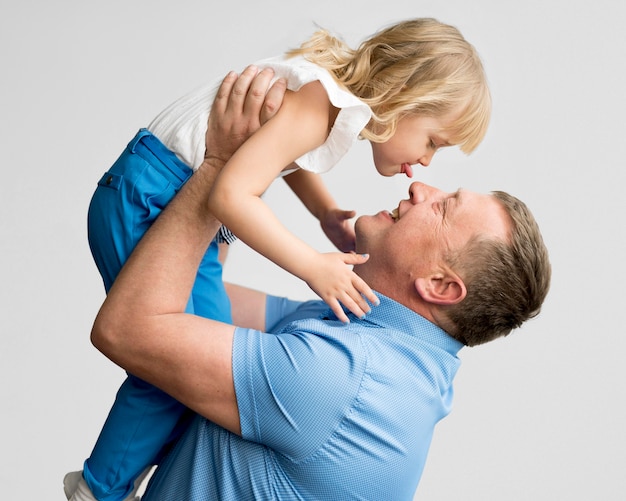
(401, 291)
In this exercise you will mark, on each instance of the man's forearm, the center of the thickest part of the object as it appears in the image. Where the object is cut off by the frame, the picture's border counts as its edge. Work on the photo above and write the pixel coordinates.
(159, 275)
(142, 325)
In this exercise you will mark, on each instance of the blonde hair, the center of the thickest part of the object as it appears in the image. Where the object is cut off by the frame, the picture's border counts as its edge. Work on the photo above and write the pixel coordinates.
(418, 66)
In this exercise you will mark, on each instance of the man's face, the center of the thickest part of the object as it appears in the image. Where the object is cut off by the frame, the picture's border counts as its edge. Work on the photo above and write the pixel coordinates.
(418, 234)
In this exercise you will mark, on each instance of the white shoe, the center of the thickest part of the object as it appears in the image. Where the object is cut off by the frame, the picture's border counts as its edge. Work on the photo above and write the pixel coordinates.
(70, 482)
(76, 489)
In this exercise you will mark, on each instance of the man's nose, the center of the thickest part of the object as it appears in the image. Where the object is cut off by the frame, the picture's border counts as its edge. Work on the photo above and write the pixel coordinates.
(420, 192)
(417, 192)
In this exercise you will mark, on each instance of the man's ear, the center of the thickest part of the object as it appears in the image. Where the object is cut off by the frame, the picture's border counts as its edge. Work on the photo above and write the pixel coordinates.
(441, 289)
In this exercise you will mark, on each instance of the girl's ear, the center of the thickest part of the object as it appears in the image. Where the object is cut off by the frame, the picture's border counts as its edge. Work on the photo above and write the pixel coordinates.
(441, 289)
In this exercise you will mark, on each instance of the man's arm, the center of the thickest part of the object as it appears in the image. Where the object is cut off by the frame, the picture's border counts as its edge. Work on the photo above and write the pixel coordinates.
(247, 306)
(141, 325)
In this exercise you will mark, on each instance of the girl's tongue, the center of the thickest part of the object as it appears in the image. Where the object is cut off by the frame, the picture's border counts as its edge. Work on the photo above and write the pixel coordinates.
(407, 169)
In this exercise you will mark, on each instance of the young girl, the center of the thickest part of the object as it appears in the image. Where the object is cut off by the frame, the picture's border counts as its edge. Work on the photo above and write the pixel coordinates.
(409, 89)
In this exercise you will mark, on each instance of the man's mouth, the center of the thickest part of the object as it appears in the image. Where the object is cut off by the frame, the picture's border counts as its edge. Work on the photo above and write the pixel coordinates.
(395, 214)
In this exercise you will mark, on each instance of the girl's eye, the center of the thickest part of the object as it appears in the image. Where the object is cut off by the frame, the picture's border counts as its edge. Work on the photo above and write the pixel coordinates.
(433, 145)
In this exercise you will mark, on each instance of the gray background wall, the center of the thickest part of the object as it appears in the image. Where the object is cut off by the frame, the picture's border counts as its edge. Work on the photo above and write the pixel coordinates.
(538, 416)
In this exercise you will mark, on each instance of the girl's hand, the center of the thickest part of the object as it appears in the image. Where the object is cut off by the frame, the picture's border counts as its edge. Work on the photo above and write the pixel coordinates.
(337, 228)
(331, 278)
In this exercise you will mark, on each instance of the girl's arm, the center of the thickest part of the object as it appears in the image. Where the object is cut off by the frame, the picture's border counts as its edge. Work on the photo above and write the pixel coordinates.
(302, 124)
(335, 222)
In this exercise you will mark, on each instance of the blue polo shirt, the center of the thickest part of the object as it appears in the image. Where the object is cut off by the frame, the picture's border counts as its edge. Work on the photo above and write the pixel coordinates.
(328, 411)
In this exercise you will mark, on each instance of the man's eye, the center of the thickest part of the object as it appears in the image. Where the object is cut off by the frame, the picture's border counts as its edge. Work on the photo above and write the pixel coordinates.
(433, 145)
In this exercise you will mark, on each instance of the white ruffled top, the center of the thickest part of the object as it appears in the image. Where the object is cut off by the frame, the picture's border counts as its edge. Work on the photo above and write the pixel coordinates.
(182, 125)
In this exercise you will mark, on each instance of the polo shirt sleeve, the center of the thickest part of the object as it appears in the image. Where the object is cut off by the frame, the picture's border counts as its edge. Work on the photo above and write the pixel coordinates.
(294, 388)
(277, 309)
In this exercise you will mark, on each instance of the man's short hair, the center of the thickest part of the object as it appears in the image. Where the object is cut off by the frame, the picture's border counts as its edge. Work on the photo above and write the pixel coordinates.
(506, 282)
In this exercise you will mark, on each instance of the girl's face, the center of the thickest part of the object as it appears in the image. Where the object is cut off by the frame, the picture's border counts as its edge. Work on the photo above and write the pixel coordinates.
(415, 141)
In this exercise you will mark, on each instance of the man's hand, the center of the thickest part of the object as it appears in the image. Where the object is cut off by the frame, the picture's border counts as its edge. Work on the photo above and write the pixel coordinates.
(242, 104)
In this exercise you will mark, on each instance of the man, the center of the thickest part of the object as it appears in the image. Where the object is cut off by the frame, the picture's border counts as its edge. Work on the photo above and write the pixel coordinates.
(314, 408)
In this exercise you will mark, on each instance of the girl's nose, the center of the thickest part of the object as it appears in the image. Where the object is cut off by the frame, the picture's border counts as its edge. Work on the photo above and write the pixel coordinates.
(426, 159)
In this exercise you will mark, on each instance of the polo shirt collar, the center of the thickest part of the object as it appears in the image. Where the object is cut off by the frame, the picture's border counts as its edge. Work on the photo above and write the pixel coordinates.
(392, 315)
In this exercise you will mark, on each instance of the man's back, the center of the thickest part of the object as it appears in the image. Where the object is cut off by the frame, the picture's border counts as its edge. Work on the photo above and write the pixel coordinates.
(322, 406)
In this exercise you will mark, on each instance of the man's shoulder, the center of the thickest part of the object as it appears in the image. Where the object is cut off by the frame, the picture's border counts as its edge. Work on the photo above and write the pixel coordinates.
(280, 311)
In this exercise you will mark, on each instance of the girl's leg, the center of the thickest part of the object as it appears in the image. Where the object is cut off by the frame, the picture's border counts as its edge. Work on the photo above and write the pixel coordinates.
(143, 419)
(209, 295)
(141, 422)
